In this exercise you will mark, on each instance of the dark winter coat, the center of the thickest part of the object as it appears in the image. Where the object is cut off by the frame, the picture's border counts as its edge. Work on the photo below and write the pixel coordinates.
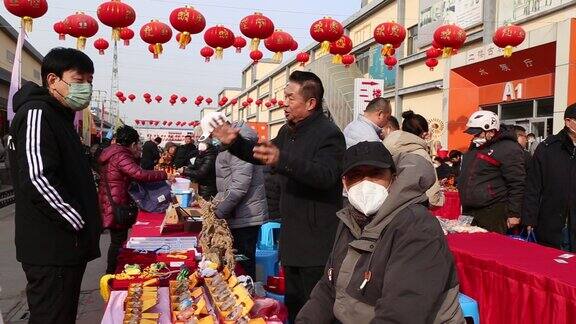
(309, 175)
(412, 274)
(57, 214)
(272, 186)
(183, 155)
(203, 172)
(494, 173)
(119, 169)
(150, 155)
(550, 196)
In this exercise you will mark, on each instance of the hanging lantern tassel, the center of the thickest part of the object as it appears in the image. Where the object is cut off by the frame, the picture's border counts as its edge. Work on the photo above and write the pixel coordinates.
(387, 50)
(508, 51)
(185, 39)
(27, 23)
(325, 47)
(207, 59)
(81, 43)
(337, 59)
(115, 34)
(447, 52)
(158, 49)
(219, 53)
(277, 57)
(254, 44)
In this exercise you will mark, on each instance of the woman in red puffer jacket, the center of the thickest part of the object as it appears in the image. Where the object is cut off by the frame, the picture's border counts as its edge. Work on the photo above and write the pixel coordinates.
(119, 167)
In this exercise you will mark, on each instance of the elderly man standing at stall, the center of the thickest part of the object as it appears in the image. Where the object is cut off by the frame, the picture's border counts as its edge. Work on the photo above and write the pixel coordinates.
(306, 156)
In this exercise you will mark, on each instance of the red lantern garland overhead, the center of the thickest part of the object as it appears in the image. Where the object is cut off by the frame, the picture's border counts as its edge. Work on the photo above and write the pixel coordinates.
(303, 58)
(126, 34)
(234, 101)
(273, 101)
(220, 38)
(165, 122)
(508, 37)
(81, 26)
(249, 100)
(259, 102)
(208, 101)
(183, 100)
(101, 45)
(197, 103)
(433, 53)
(256, 27)
(172, 102)
(450, 38)
(431, 63)
(147, 95)
(148, 100)
(122, 99)
(326, 30)
(390, 61)
(169, 123)
(340, 47)
(156, 33)
(27, 10)
(152, 50)
(207, 53)
(187, 21)
(278, 43)
(158, 98)
(245, 104)
(224, 99)
(268, 104)
(200, 98)
(280, 103)
(174, 96)
(294, 45)
(119, 94)
(117, 15)
(131, 97)
(348, 60)
(390, 35)
(60, 28)
(256, 56)
(239, 43)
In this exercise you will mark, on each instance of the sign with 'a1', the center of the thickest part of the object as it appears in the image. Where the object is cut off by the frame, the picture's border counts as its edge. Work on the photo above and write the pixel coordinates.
(364, 91)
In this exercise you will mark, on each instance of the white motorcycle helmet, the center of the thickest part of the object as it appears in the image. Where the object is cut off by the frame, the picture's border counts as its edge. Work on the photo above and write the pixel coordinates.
(481, 121)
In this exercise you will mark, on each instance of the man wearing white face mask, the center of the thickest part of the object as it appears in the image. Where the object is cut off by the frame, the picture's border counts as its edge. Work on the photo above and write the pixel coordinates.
(58, 223)
(390, 262)
(491, 181)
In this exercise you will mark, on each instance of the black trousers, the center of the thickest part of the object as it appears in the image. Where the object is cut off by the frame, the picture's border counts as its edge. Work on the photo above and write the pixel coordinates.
(117, 239)
(245, 240)
(299, 284)
(53, 293)
(492, 218)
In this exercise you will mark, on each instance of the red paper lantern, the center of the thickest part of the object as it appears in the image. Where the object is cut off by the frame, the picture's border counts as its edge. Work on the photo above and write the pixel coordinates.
(147, 95)
(432, 63)
(60, 28)
(268, 104)
(340, 47)
(117, 15)
(256, 56)
(137, 121)
(250, 100)
(152, 50)
(390, 35)
(224, 99)
(239, 43)
(234, 101)
(259, 102)
(172, 102)
(348, 60)
(303, 58)
(197, 103)
(450, 37)
(156, 33)
(273, 101)
(156, 122)
(131, 97)
(208, 101)
(178, 123)
(27, 10)
(165, 122)
(207, 53)
(390, 61)
(436, 45)
(101, 45)
(324, 31)
(183, 99)
(158, 98)
(280, 103)
(245, 104)
(433, 53)
(187, 21)
(278, 43)
(294, 45)
(174, 96)
(183, 41)
(169, 123)
(126, 34)
(119, 94)
(148, 100)
(256, 27)
(220, 38)
(81, 26)
(123, 99)
(508, 37)
(200, 98)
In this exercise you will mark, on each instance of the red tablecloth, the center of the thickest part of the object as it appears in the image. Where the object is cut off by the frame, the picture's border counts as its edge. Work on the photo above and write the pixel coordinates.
(514, 281)
(451, 208)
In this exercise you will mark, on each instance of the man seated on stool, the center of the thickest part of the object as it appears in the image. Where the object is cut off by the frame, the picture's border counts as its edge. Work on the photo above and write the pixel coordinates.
(390, 262)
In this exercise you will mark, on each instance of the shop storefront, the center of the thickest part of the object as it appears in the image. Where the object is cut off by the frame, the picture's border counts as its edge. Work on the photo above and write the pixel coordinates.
(531, 89)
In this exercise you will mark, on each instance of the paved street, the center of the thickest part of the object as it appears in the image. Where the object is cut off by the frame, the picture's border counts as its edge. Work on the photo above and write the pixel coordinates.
(12, 279)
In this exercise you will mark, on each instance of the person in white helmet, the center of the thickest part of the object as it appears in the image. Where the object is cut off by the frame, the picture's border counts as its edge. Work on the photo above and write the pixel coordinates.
(491, 181)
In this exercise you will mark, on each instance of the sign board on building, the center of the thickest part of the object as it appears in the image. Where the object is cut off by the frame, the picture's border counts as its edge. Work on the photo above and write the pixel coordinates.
(513, 10)
(378, 70)
(434, 13)
(364, 91)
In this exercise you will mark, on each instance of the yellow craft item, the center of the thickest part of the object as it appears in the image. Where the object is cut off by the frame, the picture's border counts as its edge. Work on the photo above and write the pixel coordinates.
(177, 256)
(193, 279)
(226, 273)
(151, 315)
(206, 320)
(200, 306)
(258, 320)
(197, 292)
(232, 282)
(147, 304)
(104, 287)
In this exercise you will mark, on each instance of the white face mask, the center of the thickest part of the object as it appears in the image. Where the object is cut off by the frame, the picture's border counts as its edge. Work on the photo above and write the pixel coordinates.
(202, 147)
(478, 141)
(367, 196)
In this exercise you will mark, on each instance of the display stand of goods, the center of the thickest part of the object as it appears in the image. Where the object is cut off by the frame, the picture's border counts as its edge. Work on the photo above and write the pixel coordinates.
(140, 299)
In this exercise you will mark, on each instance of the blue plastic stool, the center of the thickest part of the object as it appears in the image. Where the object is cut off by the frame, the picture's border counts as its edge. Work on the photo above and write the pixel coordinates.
(279, 298)
(469, 308)
(266, 264)
(266, 239)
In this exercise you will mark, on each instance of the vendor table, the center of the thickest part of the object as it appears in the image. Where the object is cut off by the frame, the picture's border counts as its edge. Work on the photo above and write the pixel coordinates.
(115, 308)
(514, 281)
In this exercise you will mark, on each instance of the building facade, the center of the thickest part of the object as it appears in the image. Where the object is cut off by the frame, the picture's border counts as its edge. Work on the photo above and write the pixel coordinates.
(531, 89)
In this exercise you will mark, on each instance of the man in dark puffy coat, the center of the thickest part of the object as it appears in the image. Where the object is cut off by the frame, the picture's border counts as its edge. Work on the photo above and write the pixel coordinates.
(203, 170)
(150, 154)
(185, 152)
(550, 198)
(491, 182)
(118, 168)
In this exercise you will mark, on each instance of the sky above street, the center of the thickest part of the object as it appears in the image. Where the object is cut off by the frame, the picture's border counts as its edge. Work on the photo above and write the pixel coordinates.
(182, 72)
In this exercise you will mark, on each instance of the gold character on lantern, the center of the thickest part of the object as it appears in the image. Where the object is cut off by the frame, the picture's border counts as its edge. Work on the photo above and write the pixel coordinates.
(260, 22)
(446, 34)
(148, 31)
(244, 23)
(183, 15)
(318, 28)
(333, 27)
(395, 31)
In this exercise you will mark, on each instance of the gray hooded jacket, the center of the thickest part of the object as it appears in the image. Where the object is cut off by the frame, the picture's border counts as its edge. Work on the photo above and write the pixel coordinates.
(241, 193)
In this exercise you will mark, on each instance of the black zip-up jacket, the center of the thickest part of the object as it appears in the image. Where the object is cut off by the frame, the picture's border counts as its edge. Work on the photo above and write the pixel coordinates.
(494, 173)
(310, 187)
(150, 155)
(57, 214)
(550, 198)
(203, 172)
(183, 155)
